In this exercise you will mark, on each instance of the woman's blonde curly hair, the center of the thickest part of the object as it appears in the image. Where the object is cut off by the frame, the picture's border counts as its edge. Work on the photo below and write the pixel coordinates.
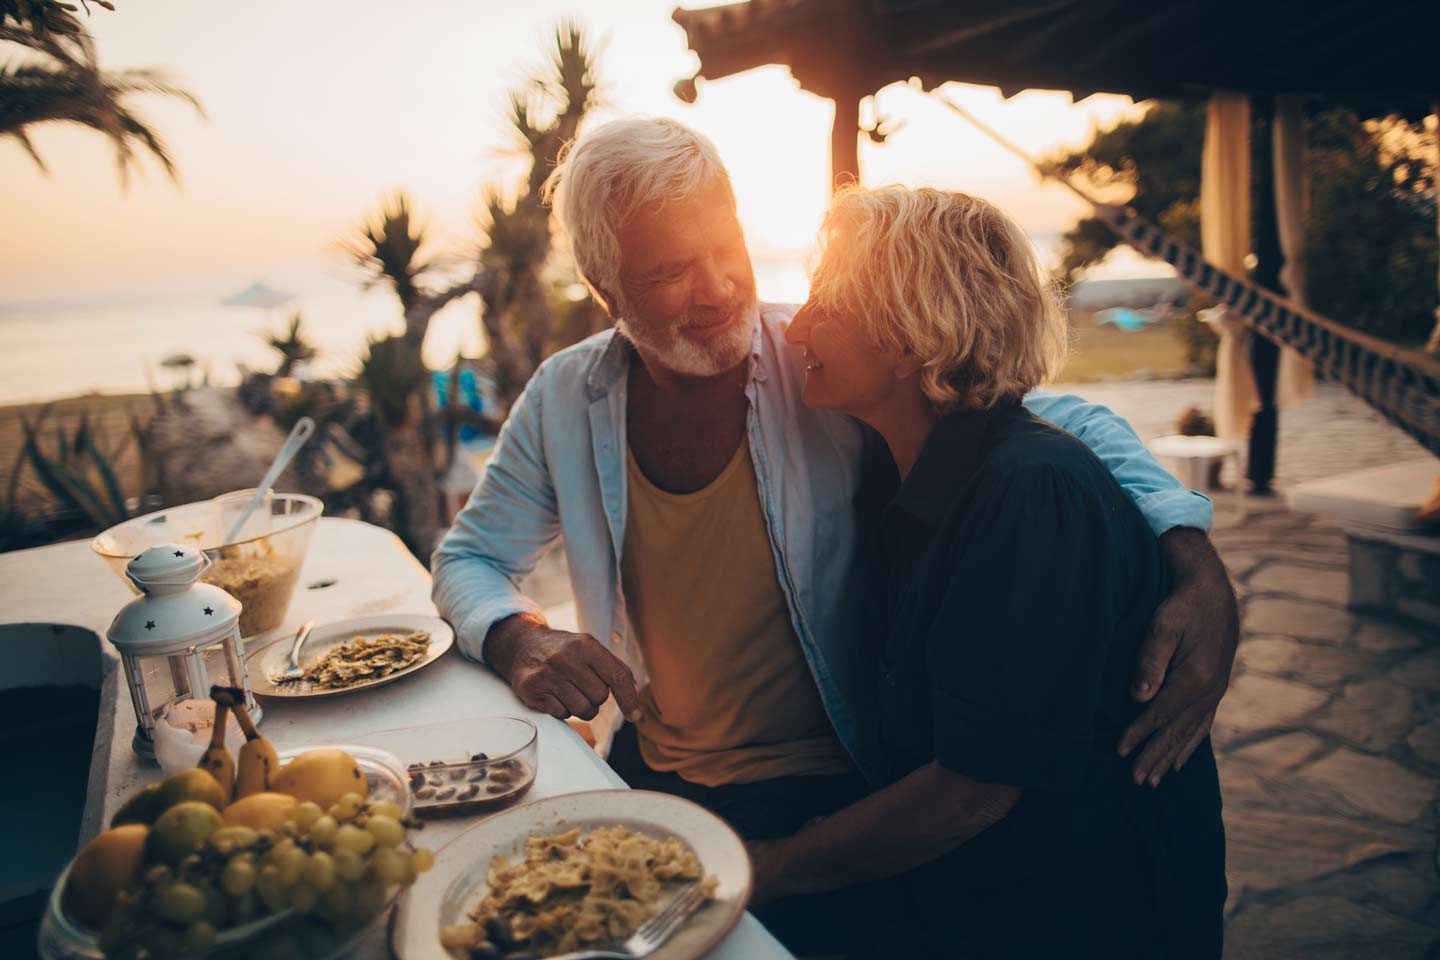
(948, 277)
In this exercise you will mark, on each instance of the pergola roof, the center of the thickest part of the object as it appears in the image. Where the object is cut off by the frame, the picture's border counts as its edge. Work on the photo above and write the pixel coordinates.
(1155, 48)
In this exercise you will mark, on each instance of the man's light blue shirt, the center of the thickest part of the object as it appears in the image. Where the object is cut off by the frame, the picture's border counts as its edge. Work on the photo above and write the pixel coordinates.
(558, 470)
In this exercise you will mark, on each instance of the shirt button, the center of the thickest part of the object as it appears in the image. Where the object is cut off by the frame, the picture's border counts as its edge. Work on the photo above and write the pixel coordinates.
(615, 639)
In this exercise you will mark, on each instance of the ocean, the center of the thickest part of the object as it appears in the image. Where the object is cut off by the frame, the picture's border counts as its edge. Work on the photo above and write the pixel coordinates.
(58, 349)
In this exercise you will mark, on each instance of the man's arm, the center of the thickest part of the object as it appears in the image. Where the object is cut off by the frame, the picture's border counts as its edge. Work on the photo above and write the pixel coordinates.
(1183, 667)
(499, 536)
(913, 821)
(497, 539)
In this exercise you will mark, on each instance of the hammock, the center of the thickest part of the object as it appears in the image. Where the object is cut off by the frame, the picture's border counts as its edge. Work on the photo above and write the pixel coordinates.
(1402, 385)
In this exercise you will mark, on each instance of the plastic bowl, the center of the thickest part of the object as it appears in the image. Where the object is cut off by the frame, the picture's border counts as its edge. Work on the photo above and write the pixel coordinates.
(61, 938)
(260, 569)
(446, 779)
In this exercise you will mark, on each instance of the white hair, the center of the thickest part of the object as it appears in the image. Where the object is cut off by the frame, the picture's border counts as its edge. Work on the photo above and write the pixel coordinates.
(602, 179)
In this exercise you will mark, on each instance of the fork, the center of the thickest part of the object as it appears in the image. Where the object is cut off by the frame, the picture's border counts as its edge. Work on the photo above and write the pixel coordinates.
(650, 934)
(295, 671)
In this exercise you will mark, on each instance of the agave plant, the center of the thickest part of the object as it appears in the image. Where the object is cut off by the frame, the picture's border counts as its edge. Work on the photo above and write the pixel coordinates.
(291, 345)
(62, 82)
(77, 473)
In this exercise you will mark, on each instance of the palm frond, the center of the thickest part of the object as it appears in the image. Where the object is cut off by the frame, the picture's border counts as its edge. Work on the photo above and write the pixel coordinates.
(70, 87)
(387, 249)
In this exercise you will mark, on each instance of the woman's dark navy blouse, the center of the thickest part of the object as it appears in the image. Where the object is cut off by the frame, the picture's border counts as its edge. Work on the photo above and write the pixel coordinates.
(1013, 580)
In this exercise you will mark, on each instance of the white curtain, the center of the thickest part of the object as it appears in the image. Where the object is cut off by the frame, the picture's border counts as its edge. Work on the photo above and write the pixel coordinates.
(1225, 242)
(1296, 379)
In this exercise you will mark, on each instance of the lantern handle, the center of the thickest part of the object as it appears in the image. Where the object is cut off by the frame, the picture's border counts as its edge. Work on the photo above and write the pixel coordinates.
(143, 585)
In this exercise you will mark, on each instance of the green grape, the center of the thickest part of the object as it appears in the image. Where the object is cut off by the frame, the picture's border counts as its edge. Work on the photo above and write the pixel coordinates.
(346, 807)
(320, 871)
(157, 875)
(351, 837)
(385, 808)
(180, 903)
(387, 831)
(214, 903)
(407, 861)
(239, 876)
(369, 896)
(349, 865)
(337, 901)
(322, 831)
(424, 859)
(305, 815)
(227, 840)
(161, 943)
(292, 863)
(385, 866)
(289, 829)
(271, 888)
(241, 909)
(198, 937)
(303, 898)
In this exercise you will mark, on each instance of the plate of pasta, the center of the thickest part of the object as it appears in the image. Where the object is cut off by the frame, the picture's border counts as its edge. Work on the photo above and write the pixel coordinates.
(574, 872)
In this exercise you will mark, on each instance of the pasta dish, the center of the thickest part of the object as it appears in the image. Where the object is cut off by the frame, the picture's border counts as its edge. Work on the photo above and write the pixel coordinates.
(574, 891)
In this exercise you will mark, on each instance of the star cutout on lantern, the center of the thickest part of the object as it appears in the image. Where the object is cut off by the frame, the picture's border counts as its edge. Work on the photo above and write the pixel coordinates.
(209, 612)
(179, 553)
(149, 624)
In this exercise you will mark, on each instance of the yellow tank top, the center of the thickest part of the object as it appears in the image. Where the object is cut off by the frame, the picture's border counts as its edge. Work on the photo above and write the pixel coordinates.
(731, 698)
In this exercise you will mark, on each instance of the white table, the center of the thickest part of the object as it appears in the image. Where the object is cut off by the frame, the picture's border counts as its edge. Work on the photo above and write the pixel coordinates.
(1194, 456)
(372, 573)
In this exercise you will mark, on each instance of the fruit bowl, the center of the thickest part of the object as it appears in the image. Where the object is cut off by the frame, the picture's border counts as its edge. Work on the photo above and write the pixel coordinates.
(62, 937)
(260, 569)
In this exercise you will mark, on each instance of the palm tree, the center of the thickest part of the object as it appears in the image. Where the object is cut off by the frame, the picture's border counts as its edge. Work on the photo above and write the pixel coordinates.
(517, 317)
(388, 250)
(60, 81)
(291, 345)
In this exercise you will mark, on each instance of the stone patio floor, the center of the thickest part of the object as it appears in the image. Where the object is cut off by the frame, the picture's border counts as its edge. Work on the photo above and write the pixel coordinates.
(1328, 741)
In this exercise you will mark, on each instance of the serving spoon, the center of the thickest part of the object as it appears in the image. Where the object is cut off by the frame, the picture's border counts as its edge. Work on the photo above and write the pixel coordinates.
(303, 430)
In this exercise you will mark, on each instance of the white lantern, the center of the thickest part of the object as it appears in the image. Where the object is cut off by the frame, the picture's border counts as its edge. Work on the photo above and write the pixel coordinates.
(177, 638)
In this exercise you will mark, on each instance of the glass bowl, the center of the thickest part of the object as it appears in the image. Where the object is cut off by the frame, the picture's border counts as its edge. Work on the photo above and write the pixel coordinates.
(464, 767)
(61, 938)
(260, 569)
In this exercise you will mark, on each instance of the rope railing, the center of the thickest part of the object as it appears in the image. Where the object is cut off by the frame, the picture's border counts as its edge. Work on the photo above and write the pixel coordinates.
(1402, 385)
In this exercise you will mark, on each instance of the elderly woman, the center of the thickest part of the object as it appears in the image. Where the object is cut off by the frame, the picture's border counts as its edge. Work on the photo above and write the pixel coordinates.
(1013, 581)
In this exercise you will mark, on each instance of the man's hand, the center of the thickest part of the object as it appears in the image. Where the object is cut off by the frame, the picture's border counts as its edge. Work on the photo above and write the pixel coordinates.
(1186, 658)
(557, 672)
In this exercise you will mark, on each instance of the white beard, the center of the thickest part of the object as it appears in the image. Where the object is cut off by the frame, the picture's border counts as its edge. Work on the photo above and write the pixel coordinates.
(679, 354)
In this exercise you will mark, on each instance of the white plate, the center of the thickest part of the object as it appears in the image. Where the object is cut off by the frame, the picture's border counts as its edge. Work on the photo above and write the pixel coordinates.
(273, 659)
(444, 894)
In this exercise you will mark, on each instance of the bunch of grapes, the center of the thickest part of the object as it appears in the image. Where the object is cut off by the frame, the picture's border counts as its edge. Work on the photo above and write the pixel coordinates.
(335, 866)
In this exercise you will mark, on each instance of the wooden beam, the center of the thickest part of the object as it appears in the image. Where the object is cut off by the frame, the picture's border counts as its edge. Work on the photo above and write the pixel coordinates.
(845, 141)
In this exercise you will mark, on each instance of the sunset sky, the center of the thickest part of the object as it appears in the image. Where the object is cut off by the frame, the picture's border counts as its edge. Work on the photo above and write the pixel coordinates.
(315, 111)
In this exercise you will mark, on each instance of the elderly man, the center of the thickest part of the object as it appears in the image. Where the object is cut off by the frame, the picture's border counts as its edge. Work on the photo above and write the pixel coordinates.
(707, 519)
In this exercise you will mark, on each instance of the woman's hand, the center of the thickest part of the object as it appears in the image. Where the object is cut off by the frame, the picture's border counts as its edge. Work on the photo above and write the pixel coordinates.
(1184, 663)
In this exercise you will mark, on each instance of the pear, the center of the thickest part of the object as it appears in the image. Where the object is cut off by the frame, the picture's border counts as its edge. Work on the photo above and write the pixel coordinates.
(321, 776)
(144, 807)
(147, 805)
(260, 811)
(101, 870)
(181, 830)
(193, 784)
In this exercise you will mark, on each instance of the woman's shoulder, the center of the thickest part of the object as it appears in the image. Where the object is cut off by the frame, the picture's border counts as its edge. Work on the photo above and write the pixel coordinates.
(1026, 448)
